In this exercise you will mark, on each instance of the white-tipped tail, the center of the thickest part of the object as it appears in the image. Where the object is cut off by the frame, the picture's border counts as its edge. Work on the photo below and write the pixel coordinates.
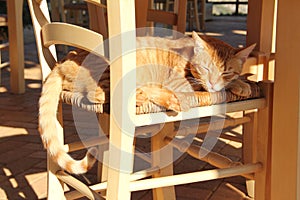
(48, 123)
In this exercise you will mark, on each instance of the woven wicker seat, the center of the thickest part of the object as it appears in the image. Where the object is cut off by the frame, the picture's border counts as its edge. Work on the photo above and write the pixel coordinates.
(201, 99)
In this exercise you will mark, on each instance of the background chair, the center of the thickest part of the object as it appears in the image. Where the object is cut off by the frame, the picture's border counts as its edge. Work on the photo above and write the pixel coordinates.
(71, 11)
(195, 12)
(146, 16)
(3, 45)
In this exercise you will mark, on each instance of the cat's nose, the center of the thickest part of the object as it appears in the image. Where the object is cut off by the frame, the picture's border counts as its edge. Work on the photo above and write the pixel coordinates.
(211, 86)
(217, 86)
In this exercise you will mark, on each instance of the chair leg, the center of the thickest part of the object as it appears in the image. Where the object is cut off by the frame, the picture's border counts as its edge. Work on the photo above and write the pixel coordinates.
(55, 188)
(121, 157)
(103, 151)
(162, 156)
(264, 138)
(249, 137)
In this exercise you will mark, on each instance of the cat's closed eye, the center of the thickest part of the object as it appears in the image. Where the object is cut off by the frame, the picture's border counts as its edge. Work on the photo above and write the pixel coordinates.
(229, 75)
(204, 69)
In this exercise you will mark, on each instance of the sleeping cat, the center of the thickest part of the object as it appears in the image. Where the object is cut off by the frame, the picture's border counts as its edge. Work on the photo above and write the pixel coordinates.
(166, 70)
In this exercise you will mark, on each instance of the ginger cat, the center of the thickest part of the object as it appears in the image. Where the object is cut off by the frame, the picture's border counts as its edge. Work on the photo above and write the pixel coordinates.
(166, 70)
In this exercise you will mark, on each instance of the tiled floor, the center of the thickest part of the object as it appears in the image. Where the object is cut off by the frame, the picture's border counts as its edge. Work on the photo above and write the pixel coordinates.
(23, 159)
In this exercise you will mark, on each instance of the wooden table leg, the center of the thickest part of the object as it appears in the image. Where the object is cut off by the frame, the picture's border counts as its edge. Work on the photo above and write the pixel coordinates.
(16, 45)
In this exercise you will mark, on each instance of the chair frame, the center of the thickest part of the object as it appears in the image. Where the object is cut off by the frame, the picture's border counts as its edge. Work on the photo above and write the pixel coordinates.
(119, 185)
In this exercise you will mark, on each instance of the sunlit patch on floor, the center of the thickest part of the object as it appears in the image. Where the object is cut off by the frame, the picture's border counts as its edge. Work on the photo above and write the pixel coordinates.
(3, 89)
(239, 32)
(34, 85)
(207, 33)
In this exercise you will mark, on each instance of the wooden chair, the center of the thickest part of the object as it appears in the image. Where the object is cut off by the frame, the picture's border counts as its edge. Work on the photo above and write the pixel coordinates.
(257, 129)
(194, 14)
(253, 65)
(177, 18)
(47, 36)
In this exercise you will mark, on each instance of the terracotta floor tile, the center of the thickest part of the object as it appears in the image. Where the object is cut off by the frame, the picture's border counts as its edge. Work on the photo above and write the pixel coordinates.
(191, 193)
(227, 191)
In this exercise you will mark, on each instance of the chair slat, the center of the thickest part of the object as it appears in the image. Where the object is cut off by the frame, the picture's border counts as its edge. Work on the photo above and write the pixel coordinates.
(68, 34)
(193, 113)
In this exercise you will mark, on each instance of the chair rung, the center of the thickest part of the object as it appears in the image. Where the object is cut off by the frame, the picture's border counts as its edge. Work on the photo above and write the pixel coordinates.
(193, 177)
(205, 155)
(177, 179)
(78, 185)
(85, 144)
(212, 126)
(103, 186)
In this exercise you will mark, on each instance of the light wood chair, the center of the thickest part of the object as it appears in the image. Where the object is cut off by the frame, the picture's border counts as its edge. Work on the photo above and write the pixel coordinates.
(48, 34)
(255, 137)
(253, 65)
(168, 134)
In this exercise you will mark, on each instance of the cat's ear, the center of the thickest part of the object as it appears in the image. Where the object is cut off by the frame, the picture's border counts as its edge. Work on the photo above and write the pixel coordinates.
(200, 44)
(245, 52)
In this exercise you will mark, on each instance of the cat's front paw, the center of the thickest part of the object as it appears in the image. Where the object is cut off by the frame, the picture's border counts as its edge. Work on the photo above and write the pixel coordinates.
(243, 90)
(97, 96)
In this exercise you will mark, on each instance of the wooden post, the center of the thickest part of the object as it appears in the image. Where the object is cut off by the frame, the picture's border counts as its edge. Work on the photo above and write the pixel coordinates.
(286, 126)
(121, 28)
(263, 144)
(260, 24)
(16, 45)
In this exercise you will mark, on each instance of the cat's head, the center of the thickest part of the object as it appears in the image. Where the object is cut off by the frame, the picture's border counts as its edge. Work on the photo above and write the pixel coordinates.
(215, 63)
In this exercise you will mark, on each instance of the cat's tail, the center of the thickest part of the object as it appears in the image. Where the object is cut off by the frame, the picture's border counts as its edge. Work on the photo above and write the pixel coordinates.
(48, 127)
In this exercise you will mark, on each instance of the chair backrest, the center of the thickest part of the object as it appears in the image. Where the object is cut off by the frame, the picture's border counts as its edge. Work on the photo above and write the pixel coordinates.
(48, 34)
(98, 17)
